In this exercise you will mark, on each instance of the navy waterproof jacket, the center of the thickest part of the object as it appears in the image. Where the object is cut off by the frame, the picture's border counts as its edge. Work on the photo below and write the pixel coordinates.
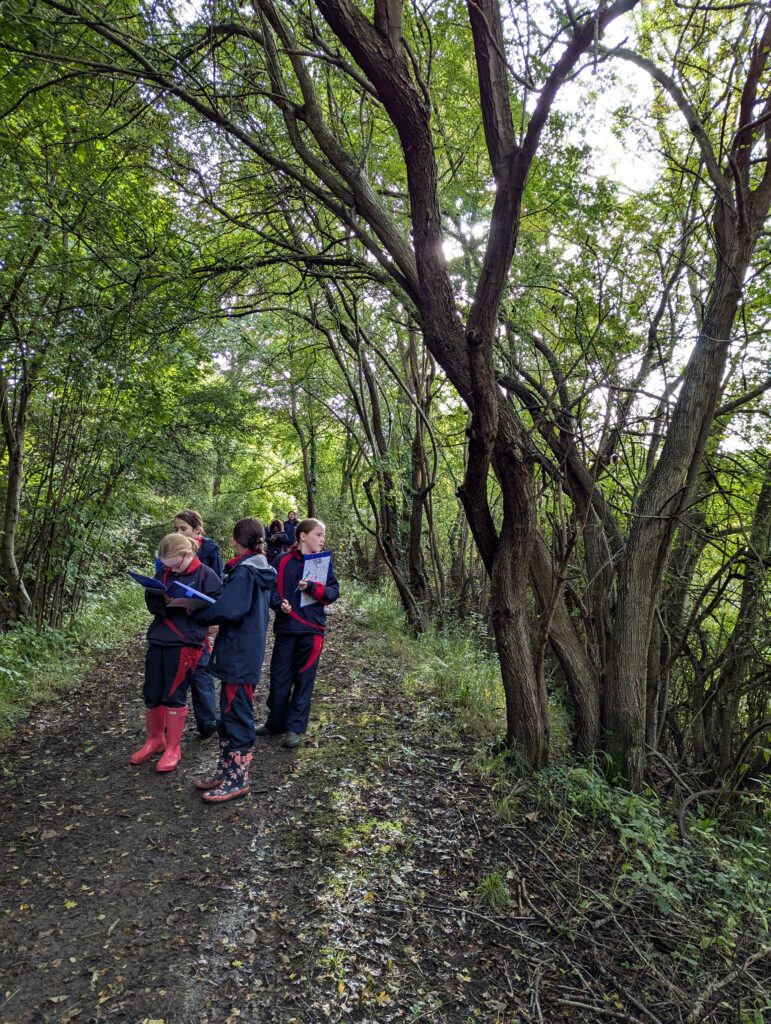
(242, 615)
(289, 529)
(209, 553)
(277, 545)
(177, 627)
(309, 618)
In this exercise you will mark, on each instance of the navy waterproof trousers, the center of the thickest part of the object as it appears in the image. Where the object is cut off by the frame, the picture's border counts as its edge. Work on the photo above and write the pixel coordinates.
(293, 668)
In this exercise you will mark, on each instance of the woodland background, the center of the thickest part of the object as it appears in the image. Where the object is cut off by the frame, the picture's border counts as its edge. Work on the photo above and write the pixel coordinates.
(379, 264)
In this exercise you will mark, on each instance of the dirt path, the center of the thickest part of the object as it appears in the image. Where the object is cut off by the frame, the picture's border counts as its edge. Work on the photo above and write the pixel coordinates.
(126, 898)
(345, 887)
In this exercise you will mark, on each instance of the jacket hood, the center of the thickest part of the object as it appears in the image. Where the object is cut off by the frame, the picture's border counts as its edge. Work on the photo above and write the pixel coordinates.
(258, 565)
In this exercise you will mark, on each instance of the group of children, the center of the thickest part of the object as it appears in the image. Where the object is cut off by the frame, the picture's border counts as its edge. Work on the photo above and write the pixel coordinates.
(179, 656)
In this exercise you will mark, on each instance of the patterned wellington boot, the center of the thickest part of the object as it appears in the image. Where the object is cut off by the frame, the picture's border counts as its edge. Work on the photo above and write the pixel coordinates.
(218, 774)
(236, 779)
(155, 719)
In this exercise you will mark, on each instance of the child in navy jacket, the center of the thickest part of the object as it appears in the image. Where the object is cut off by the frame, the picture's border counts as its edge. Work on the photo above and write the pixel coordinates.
(242, 616)
(175, 643)
(278, 543)
(299, 636)
(189, 523)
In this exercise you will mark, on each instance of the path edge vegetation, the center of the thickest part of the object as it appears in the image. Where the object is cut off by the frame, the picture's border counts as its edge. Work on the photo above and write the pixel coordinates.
(703, 876)
(37, 663)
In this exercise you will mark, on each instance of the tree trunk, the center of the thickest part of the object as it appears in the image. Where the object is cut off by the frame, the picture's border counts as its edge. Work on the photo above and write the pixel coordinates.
(581, 677)
(14, 429)
(668, 492)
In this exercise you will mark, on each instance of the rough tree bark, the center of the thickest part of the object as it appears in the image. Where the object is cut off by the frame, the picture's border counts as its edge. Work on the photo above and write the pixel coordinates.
(740, 214)
(497, 441)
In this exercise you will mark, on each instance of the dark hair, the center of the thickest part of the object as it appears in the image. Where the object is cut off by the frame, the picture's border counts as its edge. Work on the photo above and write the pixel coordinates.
(305, 526)
(191, 517)
(250, 533)
(276, 526)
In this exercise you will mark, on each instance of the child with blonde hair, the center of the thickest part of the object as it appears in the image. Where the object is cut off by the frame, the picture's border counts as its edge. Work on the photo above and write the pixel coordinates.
(175, 642)
(189, 523)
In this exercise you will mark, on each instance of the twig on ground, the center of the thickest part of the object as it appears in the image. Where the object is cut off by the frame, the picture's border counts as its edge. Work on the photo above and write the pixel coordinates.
(604, 1010)
(711, 990)
(607, 975)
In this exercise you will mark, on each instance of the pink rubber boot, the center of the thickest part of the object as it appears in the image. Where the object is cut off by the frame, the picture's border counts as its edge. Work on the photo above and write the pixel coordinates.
(155, 719)
(175, 726)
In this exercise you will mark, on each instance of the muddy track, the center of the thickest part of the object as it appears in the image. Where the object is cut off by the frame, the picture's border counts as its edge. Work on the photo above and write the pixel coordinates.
(126, 898)
(346, 887)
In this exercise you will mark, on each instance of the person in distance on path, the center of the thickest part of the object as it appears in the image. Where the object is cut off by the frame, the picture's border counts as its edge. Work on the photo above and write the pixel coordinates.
(290, 526)
(277, 541)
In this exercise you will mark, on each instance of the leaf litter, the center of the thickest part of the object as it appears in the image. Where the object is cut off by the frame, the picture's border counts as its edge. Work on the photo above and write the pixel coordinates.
(343, 888)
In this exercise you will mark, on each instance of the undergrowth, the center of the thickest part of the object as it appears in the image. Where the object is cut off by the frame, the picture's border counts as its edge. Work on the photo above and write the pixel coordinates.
(450, 673)
(36, 664)
(718, 879)
(619, 858)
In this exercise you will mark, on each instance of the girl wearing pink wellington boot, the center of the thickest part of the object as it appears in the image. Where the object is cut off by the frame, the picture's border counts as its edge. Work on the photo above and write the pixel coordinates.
(175, 642)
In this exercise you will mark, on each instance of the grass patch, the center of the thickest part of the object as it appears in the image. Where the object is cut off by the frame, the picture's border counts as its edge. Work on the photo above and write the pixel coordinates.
(493, 891)
(37, 664)
(451, 674)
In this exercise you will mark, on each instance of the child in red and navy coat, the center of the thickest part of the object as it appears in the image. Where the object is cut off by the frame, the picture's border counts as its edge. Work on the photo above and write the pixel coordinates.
(175, 642)
(189, 523)
(242, 616)
(299, 636)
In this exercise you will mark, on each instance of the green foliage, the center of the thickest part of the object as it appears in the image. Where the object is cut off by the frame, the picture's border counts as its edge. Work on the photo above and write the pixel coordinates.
(717, 877)
(36, 664)
(31, 667)
(493, 891)
(451, 672)
(378, 609)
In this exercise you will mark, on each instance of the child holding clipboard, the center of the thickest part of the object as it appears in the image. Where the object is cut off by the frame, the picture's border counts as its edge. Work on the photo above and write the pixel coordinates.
(305, 585)
(189, 523)
(175, 642)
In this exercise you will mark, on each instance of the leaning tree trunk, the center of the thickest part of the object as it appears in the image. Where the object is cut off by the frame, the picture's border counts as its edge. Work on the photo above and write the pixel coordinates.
(658, 512)
(497, 441)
